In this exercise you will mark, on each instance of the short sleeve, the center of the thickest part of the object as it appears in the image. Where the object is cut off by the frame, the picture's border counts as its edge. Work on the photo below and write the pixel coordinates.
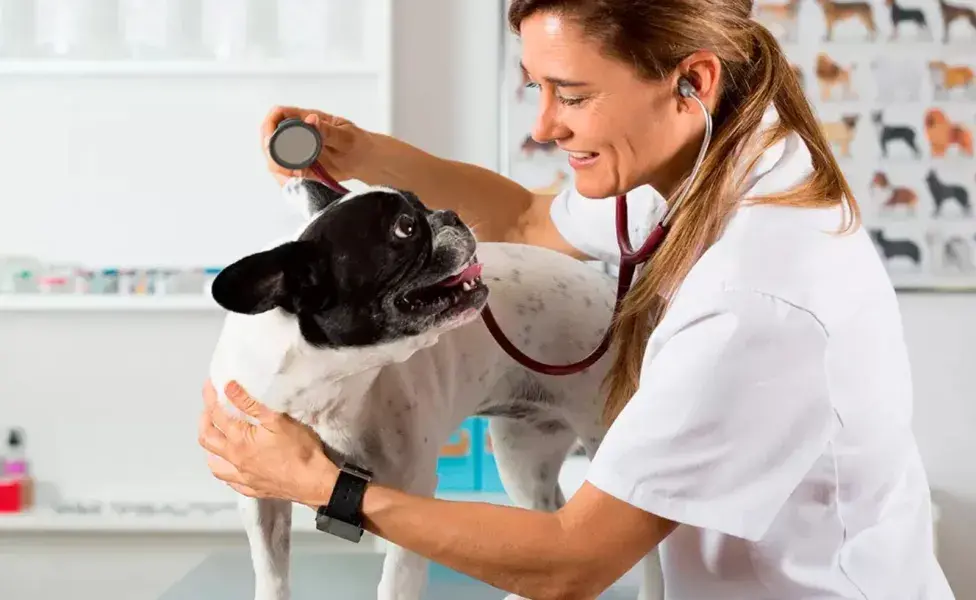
(730, 415)
(590, 225)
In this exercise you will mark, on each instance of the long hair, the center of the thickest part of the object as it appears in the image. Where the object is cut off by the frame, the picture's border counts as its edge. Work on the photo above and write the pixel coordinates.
(653, 37)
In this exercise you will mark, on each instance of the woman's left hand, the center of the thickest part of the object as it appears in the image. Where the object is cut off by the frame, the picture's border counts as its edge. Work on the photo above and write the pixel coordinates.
(277, 458)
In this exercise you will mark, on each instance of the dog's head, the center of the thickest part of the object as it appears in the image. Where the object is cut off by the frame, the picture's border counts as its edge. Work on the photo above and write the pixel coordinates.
(367, 268)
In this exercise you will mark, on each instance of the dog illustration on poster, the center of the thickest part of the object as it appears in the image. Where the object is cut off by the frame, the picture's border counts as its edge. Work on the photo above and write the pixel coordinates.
(943, 192)
(946, 78)
(831, 74)
(943, 134)
(893, 249)
(912, 15)
(952, 253)
(841, 133)
(781, 16)
(893, 197)
(837, 12)
(952, 12)
(894, 133)
(957, 253)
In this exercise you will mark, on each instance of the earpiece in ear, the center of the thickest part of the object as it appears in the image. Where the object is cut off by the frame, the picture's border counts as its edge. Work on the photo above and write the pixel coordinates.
(686, 89)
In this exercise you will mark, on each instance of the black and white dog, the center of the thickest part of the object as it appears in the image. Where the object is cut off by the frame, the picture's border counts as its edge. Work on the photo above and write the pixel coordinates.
(365, 326)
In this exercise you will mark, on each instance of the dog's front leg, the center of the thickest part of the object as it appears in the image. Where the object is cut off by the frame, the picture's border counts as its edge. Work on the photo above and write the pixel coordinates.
(268, 526)
(405, 572)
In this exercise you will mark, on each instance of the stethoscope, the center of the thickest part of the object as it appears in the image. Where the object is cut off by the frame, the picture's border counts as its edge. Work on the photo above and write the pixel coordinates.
(297, 145)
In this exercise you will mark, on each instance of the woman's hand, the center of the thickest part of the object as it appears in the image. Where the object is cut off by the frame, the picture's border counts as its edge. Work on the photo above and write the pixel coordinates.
(277, 458)
(346, 148)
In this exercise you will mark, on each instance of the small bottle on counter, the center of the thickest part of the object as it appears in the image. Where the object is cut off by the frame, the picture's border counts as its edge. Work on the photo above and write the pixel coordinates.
(16, 485)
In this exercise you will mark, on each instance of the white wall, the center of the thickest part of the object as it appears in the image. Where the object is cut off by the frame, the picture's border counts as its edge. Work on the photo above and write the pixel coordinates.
(110, 401)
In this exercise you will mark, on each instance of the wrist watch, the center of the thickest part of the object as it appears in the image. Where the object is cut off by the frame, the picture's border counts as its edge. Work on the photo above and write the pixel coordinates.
(343, 516)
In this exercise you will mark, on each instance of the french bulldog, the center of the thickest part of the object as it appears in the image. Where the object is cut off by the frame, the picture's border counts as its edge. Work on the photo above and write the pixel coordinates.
(366, 327)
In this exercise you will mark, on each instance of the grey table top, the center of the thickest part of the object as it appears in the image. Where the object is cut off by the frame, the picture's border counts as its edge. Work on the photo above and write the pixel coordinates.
(319, 575)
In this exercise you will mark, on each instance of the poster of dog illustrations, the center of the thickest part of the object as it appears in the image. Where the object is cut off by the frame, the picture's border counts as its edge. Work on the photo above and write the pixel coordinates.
(893, 84)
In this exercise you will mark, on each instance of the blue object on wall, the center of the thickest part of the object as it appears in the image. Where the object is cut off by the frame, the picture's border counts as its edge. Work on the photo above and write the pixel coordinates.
(466, 463)
(457, 464)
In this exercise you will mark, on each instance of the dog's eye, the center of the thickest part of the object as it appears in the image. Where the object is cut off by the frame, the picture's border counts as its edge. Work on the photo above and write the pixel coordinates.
(404, 227)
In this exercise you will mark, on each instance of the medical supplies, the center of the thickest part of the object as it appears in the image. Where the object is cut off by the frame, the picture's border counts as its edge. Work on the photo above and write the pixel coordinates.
(29, 275)
(16, 486)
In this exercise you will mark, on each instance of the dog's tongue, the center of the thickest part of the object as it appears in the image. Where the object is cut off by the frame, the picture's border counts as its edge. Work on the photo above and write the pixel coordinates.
(469, 274)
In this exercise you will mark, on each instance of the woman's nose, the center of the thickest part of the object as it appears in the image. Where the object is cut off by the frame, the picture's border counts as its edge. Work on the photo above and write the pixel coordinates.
(547, 126)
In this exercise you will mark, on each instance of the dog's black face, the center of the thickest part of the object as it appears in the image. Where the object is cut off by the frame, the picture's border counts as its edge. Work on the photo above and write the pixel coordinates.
(369, 268)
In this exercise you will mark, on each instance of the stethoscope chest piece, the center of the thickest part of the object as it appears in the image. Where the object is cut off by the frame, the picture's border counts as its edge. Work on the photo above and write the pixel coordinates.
(295, 144)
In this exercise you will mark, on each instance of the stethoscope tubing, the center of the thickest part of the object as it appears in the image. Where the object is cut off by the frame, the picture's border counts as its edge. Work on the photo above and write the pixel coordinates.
(630, 259)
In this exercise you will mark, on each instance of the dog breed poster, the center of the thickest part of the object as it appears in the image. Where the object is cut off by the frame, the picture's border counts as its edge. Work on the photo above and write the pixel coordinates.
(892, 84)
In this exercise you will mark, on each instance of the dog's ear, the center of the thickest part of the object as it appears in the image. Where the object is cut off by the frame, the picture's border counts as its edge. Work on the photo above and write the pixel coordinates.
(309, 196)
(278, 277)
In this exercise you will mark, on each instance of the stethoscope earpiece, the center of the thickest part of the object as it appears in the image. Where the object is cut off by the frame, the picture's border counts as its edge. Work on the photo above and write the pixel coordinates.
(686, 89)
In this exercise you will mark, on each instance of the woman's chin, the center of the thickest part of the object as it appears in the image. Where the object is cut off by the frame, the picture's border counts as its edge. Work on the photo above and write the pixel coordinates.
(596, 188)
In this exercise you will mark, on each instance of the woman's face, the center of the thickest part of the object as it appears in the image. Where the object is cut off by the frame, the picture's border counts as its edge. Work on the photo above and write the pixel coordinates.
(620, 131)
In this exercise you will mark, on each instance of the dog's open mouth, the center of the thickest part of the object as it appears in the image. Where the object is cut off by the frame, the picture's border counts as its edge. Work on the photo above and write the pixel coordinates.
(447, 293)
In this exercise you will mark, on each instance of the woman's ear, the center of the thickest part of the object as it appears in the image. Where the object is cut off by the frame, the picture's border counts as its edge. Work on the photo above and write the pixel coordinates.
(704, 70)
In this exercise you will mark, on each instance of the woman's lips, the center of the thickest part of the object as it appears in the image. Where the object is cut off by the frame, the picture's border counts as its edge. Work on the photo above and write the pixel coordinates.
(579, 160)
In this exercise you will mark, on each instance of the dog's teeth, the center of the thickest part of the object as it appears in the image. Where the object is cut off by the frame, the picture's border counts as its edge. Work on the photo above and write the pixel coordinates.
(466, 286)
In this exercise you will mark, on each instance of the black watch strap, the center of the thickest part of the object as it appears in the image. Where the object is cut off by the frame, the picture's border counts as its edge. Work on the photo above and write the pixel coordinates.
(342, 516)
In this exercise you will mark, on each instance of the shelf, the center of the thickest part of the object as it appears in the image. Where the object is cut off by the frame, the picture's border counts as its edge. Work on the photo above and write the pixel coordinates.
(226, 520)
(82, 302)
(209, 67)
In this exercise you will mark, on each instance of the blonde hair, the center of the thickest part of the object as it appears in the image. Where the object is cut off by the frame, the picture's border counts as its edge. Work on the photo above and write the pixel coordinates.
(654, 36)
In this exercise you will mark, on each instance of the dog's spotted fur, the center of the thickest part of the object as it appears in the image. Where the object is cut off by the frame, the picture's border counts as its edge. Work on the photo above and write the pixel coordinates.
(391, 405)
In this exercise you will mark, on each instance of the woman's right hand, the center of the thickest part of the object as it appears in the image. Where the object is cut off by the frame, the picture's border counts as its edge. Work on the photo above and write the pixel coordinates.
(345, 147)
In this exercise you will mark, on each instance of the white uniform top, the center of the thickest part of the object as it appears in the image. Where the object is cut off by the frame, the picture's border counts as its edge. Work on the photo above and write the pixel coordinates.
(773, 418)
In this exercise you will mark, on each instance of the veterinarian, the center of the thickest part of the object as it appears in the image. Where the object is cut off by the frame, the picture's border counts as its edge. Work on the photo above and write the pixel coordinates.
(761, 436)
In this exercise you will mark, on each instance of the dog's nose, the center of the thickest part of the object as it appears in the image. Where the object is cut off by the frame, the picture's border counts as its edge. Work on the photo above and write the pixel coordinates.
(447, 218)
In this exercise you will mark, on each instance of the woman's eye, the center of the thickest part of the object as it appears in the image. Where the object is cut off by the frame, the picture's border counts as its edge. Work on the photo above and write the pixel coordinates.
(404, 227)
(571, 101)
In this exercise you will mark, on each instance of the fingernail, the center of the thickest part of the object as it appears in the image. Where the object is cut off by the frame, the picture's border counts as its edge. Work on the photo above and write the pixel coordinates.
(234, 389)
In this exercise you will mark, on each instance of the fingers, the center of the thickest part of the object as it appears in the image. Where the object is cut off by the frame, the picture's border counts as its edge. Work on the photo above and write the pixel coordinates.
(239, 397)
(336, 137)
(240, 488)
(209, 436)
(223, 470)
(226, 472)
(277, 115)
